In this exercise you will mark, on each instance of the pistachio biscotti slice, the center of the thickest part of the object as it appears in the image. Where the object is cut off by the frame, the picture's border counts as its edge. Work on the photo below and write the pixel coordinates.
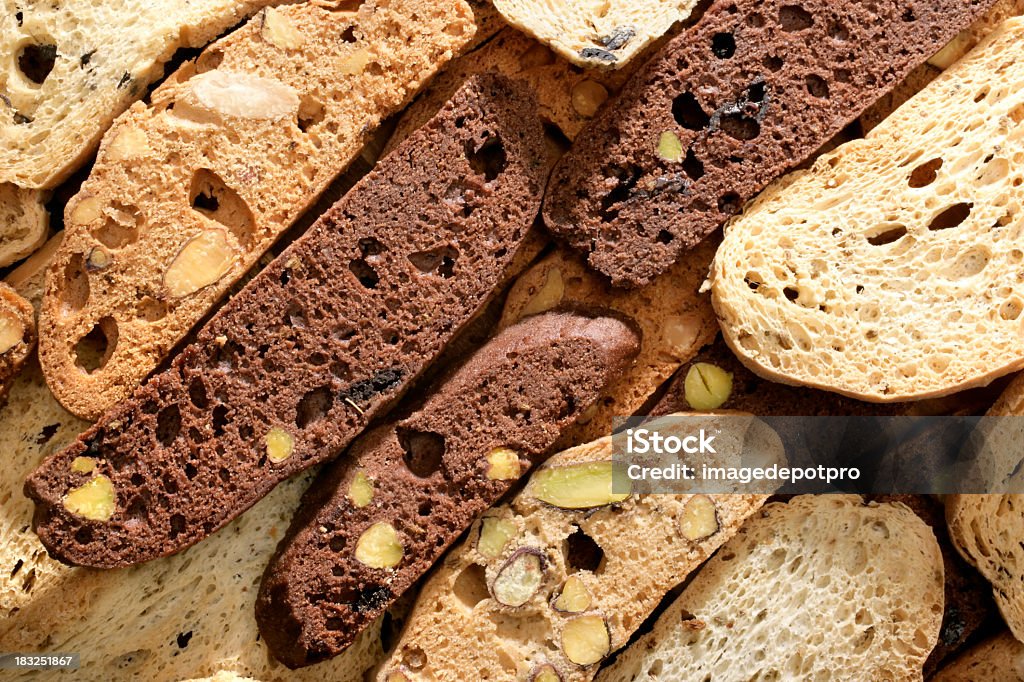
(317, 345)
(674, 318)
(68, 68)
(874, 272)
(824, 587)
(17, 335)
(188, 191)
(745, 94)
(375, 522)
(595, 33)
(547, 586)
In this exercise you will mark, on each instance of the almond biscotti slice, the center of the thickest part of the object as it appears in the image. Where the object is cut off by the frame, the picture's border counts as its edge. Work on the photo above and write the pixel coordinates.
(674, 318)
(747, 93)
(889, 270)
(68, 68)
(824, 587)
(546, 586)
(17, 335)
(23, 222)
(375, 522)
(316, 346)
(190, 190)
(996, 659)
(595, 33)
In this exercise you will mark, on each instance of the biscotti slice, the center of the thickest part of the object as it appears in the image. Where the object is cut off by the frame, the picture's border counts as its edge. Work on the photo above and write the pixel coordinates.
(70, 67)
(747, 93)
(824, 587)
(597, 33)
(940, 61)
(188, 191)
(23, 222)
(996, 659)
(870, 273)
(17, 335)
(566, 96)
(986, 530)
(675, 321)
(375, 522)
(323, 340)
(548, 585)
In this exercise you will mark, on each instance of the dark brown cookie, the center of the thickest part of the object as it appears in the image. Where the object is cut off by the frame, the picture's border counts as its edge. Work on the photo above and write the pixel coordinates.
(426, 478)
(746, 94)
(326, 338)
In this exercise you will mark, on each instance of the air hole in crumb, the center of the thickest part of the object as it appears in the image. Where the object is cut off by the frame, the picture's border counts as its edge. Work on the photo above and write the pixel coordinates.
(723, 45)
(365, 273)
(487, 159)
(470, 587)
(887, 235)
(349, 35)
(371, 246)
(1011, 309)
(439, 261)
(74, 293)
(692, 166)
(665, 237)
(37, 61)
(311, 113)
(93, 351)
(688, 112)
(168, 425)
(220, 420)
(197, 394)
(951, 217)
(924, 174)
(120, 228)
(177, 528)
(794, 18)
(772, 63)
(582, 552)
(313, 406)
(739, 126)
(729, 204)
(213, 198)
(424, 450)
(791, 293)
(817, 86)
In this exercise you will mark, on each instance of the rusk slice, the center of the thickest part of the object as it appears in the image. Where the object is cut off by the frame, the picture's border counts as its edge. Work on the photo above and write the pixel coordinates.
(189, 191)
(420, 482)
(17, 335)
(890, 270)
(824, 587)
(68, 68)
(997, 659)
(595, 33)
(986, 529)
(747, 93)
(548, 585)
(674, 319)
(316, 346)
(23, 222)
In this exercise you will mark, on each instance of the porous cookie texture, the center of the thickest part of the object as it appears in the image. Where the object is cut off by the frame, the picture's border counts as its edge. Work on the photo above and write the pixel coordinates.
(675, 321)
(547, 586)
(420, 482)
(189, 190)
(24, 222)
(986, 530)
(566, 96)
(865, 274)
(996, 659)
(323, 340)
(69, 68)
(17, 335)
(725, 107)
(596, 33)
(824, 587)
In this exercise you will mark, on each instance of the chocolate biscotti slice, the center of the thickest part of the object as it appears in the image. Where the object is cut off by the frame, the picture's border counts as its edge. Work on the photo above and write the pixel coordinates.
(190, 190)
(674, 318)
(823, 587)
(17, 335)
(314, 347)
(547, 586)
(749, 92)
(872, 272)
(376, 521)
